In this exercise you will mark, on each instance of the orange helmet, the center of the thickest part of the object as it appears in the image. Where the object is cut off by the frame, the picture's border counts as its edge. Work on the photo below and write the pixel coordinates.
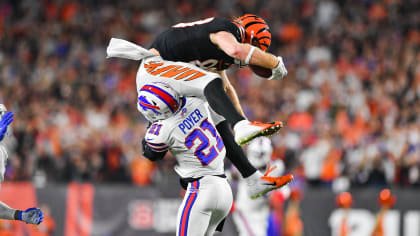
(296, 194)
(386, 199)
(344, 200)
(257, 31)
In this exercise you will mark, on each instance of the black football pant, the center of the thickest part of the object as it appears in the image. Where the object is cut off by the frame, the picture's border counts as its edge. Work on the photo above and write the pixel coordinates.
(220, 102)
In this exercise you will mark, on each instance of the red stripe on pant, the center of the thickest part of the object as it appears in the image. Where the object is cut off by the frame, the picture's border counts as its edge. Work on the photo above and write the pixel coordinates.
(79, 209)
(187, 209)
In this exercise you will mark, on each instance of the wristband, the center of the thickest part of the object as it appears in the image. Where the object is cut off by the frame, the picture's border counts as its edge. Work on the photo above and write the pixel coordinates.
(18, 215)
(248, 58)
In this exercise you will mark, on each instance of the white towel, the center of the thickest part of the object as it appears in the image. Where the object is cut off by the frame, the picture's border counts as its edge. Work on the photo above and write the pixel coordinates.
(125, 49)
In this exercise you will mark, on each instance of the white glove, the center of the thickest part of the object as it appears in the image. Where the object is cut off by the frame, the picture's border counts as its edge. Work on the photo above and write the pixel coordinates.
(31, 216)
(279, 72)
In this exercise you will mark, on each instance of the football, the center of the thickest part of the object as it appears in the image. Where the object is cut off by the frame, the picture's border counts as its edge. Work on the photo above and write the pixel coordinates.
(261, 71)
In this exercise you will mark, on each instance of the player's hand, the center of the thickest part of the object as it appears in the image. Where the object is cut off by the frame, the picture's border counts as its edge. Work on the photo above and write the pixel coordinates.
(5, 121)
(280, 71)
(31, 216)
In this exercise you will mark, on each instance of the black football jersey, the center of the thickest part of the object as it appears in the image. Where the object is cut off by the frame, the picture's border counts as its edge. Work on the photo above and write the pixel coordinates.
(190, 42)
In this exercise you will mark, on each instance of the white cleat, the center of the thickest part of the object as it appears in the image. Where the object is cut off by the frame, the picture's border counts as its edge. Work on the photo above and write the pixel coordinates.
(259, 184)
(245, 130)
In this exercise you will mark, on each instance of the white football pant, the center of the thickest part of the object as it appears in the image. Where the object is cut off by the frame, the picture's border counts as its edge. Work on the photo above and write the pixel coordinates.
(206, 203)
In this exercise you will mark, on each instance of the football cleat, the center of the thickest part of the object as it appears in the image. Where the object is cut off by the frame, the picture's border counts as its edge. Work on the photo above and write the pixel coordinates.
(245, 131)
(259, 184)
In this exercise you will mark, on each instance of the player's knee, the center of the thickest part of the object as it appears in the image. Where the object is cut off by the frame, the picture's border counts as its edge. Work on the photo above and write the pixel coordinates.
(214, 86)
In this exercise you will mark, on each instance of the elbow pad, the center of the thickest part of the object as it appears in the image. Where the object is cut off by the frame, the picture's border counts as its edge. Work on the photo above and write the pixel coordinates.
(150, 154)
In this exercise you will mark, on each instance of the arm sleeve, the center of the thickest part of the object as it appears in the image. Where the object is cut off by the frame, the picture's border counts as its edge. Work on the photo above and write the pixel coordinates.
(6, 212)
(234, 152)
(150, 154)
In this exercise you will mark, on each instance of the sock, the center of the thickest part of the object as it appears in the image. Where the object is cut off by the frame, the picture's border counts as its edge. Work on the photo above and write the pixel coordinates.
(234, 152)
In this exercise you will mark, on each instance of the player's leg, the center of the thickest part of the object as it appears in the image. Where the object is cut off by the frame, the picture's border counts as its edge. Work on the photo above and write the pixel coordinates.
(242, 223)
(193, 218)
(258, 183)
(194, 225)
(220, 102)
(215, 220)
(206, 203)
(245, 130)
(222, 195)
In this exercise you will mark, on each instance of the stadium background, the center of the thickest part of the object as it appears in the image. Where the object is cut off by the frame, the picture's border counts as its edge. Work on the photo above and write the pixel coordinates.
(351, 101)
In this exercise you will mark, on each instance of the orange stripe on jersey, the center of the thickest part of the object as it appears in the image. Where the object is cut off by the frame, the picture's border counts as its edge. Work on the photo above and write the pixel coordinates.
(152, 65)
(175, 71)
(188, 73)
(158, 71)
(198, 75)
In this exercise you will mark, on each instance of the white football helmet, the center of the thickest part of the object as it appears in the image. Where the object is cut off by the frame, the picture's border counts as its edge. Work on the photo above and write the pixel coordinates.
(259, 152)
(158, 101)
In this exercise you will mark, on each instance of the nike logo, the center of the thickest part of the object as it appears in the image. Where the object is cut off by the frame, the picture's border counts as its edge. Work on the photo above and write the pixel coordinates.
(270, 184)
(149, 139)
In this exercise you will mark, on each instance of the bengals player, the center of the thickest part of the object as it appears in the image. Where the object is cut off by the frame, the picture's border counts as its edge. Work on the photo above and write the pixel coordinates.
(215, 44)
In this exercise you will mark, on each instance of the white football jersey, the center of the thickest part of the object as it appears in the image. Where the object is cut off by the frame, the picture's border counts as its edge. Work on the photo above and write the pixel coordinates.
(190, 135)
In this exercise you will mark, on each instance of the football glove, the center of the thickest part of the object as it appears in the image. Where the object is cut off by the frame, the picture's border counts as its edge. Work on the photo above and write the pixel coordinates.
(31, 216)
(280, 71)
(5, 121)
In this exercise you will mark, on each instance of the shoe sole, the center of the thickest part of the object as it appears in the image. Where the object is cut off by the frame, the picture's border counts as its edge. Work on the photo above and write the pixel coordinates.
(265, 132)
(270, 189)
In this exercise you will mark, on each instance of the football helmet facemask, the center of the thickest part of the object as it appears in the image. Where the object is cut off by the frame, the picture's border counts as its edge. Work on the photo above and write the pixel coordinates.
(158, 101)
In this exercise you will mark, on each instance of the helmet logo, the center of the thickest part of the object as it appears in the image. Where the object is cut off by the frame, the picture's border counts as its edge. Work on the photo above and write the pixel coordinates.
(183, 111)
(146, 105)
(158, 101)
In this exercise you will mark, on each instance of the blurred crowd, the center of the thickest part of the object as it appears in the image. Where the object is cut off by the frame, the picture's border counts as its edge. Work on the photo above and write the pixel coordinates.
(351, 99)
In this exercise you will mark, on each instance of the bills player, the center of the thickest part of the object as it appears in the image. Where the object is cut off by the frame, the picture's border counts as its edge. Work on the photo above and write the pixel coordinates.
(31, 215)
(251, 216)
(186, 127)
(215, 44)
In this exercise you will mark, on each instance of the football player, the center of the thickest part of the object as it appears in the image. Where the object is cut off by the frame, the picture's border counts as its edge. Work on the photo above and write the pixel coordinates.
(199, 139)
(31, 215)
(386, 200)
(251, 216)
(215, 44)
